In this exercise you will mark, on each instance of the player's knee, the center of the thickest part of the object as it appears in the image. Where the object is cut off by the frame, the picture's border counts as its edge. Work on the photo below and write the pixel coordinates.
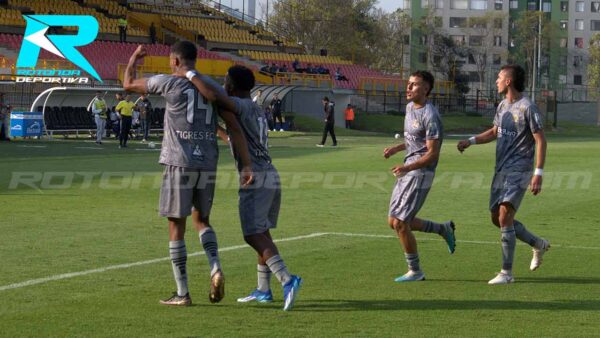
(495, 219)
(401, 226)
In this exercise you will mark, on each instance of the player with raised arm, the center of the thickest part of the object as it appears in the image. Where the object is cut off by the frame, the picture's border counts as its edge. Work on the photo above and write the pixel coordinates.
(259, 204)
(520, 137)
(189, 153)
(423, 135)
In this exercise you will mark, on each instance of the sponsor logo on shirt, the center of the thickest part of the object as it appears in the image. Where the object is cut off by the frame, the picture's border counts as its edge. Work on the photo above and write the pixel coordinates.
(503, 131)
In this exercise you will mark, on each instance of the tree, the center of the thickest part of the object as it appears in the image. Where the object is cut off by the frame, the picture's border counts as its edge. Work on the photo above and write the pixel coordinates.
(344, 27)
(593, 70)
(488, 29)
(389, 51)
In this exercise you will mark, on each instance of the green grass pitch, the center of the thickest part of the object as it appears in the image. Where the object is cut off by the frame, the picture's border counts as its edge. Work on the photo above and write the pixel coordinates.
(93, 213)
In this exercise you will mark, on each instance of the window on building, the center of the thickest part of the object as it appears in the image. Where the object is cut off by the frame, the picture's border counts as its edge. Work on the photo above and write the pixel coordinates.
(498, 23)
(579, 6)
(562, 62)
(476, 22)
(497, 59)
(459, 40)
(563, 42)
(459, 4)
(577, 80)
(564, 6)
(480, 5)
(423, 57)
(578, 25)
(595, 25)
(547, 7)
(532, 5)
(498, 5)
(578, 42)
(475, 40)
(513, 4)
(564, 24)
(439, 4)
(458, 22)
(432, 3)
(497, 40)
(577, 60)
(595, 6)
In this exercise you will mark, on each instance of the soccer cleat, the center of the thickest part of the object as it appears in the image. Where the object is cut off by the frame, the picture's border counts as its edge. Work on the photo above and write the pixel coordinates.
(217, 287)
(320, 145)
(538, 254)
(177, 300)
(411, 276)
(450, 236)
(502, 278)
(259, 296)
(290, 292)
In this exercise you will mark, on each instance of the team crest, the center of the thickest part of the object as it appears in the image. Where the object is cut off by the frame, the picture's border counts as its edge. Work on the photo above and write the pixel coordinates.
(515, 117)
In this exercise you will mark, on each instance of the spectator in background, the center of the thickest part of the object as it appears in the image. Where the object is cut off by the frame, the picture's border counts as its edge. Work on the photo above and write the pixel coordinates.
(265, 69)
(296, 66)
(283, 68)
(322, 70)
(276, 106)
(269, 117)
(145, 108)
(310, 69)
(273, 70)
(339, 76)
(329, 110)
(152, 33)
(4, 115)
(125, 111)
(122, 29)
(349, 116)
(99, 110)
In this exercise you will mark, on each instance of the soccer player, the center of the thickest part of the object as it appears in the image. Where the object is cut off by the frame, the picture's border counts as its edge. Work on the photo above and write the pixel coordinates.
(519, 134)
(259, 205)
(189, 153)
(423, 135)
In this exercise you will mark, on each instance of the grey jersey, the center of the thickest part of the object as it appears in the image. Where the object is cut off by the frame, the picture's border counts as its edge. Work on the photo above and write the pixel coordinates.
(516, 122)
(254, 124)
(420, 125)
(190, 123)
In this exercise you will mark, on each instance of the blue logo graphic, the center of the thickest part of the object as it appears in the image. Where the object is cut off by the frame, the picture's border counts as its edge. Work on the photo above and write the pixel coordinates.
(61, 45)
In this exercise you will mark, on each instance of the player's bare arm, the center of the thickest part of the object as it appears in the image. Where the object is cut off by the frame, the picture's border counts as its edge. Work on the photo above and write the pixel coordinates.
(207, 90)
(540, 159)
(485, 137)
(238, 141)
(130, 83)
(432, 155)
(391, 151)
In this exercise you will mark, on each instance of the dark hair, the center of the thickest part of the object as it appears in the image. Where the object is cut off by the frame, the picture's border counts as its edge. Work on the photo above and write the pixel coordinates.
(325, 98)
(241, 78)
(517, 75)
(185, 50)
(427, 77)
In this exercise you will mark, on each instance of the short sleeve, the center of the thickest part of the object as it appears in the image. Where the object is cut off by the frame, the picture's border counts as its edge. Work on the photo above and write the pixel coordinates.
(534, 118)
(433, 126)
(497, 116)
(157, 84)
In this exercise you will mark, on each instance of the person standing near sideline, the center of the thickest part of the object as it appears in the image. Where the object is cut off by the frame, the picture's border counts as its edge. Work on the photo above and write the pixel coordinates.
(276, 106)
(329, 110)
(423, 136)
(349, 116)
(519, 135)
(99, 110)
(125, 111)
(189, 154)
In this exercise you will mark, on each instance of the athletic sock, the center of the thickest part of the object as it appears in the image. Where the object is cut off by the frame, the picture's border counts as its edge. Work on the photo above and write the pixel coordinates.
(524, 235)
(412, 259)
(277, 267)
(264, 277)
(509, 241)
(208, 239)
(178, 262)
(433, 227)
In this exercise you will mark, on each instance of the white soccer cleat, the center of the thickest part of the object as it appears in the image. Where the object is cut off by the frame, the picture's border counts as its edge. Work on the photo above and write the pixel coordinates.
(538, 254)
(501, 278)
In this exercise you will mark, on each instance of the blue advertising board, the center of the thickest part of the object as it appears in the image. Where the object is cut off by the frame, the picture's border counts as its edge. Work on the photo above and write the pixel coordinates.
(26, 124)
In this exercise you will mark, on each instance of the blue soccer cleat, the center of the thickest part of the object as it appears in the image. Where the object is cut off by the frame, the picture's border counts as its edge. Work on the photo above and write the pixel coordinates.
(450, 236)
(290, 292)
(411, 276)
(259, 296)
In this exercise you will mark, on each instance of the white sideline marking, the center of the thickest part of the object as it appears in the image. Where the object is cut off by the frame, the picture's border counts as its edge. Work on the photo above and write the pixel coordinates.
(30, 146)
(236, 247)
(93, 148)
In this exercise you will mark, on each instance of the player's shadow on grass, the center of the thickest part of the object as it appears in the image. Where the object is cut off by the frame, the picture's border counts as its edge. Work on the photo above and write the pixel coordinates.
(326, 305)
